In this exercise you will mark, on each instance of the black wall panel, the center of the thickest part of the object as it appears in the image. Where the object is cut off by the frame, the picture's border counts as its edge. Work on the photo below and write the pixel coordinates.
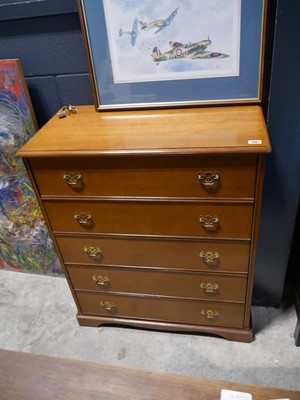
(45, 35)
(282, 181)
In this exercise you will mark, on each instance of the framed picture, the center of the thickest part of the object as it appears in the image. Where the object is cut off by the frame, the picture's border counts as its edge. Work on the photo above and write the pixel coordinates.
(152, 53)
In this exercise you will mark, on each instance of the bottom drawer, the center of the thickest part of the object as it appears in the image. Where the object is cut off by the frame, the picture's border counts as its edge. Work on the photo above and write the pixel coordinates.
(159, 309)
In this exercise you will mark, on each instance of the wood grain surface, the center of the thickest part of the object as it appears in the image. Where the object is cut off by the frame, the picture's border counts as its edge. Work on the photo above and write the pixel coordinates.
(156, 253)
(151, 218)
(34, 377)
(178, 131)
(157, 176)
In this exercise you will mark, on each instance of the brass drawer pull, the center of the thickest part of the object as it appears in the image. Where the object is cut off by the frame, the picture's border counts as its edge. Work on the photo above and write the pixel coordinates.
(210, 314)
(72, 178)
(108, 306)
(209, 256)
(83, 218)
(209, 287)
(101, 280)
(208, 179)
(92, 251)
(209, 221)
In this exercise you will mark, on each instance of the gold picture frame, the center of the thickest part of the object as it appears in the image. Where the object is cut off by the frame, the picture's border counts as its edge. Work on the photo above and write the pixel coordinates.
(133, 65)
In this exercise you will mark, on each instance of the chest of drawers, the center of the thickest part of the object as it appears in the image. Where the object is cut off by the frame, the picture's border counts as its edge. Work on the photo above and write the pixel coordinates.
(154, 214)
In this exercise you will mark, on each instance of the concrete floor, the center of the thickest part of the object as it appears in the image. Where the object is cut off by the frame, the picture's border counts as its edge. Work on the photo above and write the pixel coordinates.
(37, 314)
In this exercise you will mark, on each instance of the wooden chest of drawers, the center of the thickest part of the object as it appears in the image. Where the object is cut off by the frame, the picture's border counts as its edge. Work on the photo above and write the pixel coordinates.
(155, 213)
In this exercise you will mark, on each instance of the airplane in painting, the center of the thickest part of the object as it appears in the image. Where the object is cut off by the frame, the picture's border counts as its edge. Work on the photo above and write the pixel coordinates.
(159, 23)
(133, 33)
(197, 50)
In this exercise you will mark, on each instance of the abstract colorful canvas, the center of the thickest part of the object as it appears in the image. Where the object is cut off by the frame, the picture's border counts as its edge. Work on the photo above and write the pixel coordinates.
(24, 239)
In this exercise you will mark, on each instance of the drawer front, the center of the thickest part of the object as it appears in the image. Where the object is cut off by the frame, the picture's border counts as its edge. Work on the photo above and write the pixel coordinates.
(179, 176)
(151, 218)
(159, 309)
(192, 255)
(187, 285)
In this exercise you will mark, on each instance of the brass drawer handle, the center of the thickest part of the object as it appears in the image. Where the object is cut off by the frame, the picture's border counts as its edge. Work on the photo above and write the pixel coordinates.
(210, 314)
(108, 306)
(72, 178)
(209, 221)
(92, 251)
(101, 280)
(209, 256)
(208, 178)
(83, 218)
(209, 287)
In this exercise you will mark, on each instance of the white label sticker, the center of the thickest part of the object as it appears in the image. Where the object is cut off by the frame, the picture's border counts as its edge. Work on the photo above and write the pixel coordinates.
(254, 142)
(233, 395)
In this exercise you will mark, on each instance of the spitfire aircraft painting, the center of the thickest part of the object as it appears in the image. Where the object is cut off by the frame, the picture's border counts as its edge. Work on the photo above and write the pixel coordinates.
(151, 40)
(192, 50)
(133, 33)
(159, 23)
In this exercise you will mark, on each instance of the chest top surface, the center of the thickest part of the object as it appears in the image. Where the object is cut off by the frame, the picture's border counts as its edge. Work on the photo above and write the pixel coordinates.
(238, 129)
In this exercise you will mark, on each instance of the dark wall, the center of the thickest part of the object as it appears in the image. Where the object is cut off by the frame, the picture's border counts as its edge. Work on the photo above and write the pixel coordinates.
(282, 180)
(45, 35)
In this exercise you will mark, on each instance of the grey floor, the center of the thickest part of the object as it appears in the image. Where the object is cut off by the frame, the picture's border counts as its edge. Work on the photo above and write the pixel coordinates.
(37, 315)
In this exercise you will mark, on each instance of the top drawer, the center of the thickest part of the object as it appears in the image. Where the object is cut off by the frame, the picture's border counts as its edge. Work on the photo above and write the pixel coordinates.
(148, 176)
